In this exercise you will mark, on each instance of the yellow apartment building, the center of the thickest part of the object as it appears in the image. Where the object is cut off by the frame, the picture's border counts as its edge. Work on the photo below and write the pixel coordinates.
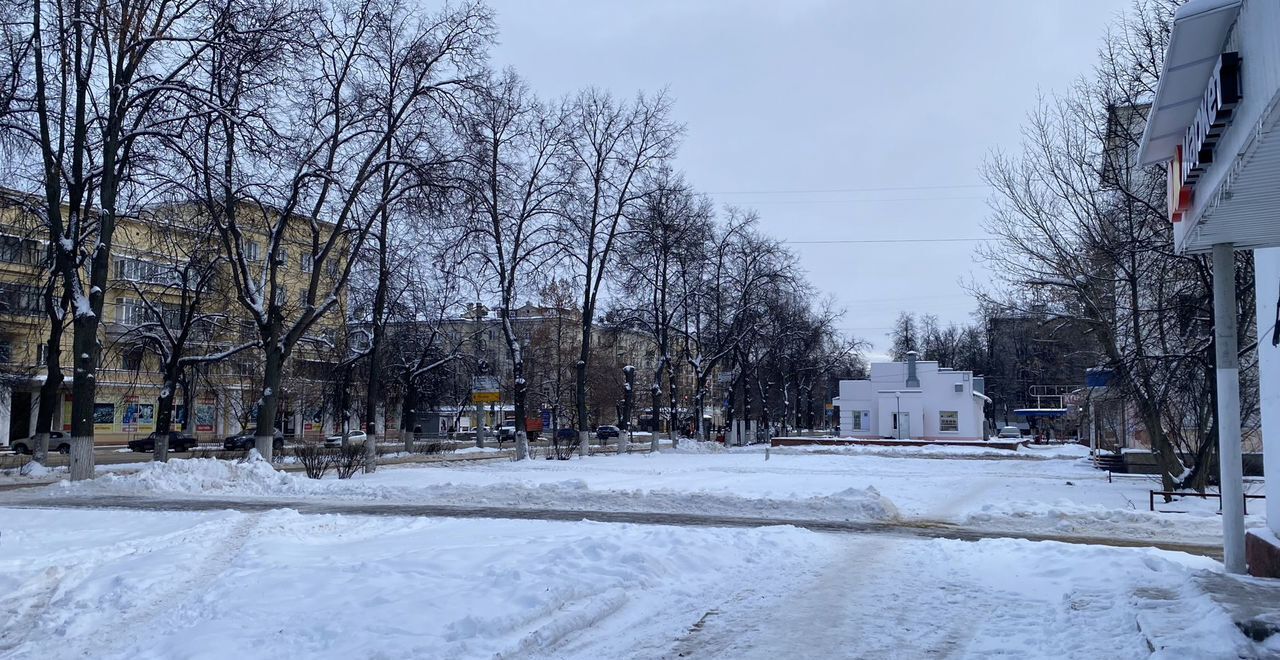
(156, 257)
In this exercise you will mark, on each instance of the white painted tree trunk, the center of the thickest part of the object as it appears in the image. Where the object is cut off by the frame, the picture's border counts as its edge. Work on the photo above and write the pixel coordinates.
(584, 439)
(81, 458)
(41, 449)
(522, 445)
(265, 444)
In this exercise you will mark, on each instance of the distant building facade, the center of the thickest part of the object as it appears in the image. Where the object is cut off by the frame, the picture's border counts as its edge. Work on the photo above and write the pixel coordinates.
(913, 400)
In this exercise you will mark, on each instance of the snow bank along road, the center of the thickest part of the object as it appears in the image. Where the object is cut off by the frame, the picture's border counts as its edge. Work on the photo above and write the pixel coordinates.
(278, 584)
(1057, 495)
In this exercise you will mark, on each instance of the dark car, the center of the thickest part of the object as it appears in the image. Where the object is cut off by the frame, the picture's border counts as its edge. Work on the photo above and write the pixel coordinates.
(247, 439)
(177, 442)
(606, 432)
(57, 442)
(566, 435)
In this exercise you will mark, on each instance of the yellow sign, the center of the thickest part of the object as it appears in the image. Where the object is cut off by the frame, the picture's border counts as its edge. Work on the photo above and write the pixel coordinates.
(486, 397)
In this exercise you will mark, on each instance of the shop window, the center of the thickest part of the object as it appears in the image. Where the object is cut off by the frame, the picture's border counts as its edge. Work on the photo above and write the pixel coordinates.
(948, 421)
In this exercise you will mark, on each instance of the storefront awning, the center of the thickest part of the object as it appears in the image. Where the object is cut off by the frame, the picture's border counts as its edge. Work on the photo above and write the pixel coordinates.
(1199, 29)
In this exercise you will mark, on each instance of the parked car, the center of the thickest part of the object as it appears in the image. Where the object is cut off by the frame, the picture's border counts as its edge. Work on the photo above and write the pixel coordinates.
(247, 439)
(506, 433)
(606, 432)
(57, 442)
(563, 435)
(1009, 432)
(177, 442)
(353, 437)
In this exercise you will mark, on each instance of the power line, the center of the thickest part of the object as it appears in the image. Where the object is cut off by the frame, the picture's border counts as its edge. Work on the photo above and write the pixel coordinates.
(846, 190)
(856, 201)
(891, 240)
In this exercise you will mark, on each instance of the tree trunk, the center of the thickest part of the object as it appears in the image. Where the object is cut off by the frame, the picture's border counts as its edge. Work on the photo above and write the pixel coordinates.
(266, 421)
(409, 414)
(672, 380)
(83, 390)
(580, 385)
(48, 404)
(164, 417)
(519, 394)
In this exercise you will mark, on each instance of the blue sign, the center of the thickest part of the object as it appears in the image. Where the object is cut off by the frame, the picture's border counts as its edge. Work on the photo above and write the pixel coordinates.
(546, 419)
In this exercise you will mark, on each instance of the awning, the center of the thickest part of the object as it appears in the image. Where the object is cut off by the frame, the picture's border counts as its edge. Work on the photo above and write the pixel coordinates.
(1040, 412)
(1199, 31)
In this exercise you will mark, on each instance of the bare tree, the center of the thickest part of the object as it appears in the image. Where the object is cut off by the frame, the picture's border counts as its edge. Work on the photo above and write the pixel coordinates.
(82, 117)
(1085, 237)
(336, 113)
(667, 237)
(614, 144)
(516, 178)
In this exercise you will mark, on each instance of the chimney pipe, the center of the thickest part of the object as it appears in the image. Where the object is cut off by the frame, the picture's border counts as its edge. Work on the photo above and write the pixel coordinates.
(912, 380)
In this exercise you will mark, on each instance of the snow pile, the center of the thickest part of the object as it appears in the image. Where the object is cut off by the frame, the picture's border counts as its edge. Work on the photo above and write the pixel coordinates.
(1067, 517)
(198, 476)
(34, 470)
(688, 446)
(257, 479)
(975, 450)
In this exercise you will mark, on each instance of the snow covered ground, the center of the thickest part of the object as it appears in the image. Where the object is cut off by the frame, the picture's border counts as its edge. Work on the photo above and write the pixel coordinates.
(1036, 490)
(122, 584)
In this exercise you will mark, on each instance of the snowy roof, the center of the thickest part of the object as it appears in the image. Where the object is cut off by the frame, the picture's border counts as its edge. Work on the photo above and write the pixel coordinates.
(1199, 29)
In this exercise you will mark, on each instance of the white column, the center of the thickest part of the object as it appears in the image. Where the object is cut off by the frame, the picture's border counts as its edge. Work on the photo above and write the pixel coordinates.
(1266, 269)
(1228, 365)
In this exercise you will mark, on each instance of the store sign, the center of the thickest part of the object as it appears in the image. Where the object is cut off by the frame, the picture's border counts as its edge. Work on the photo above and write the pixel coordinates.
(1212, 118)
(484, 389)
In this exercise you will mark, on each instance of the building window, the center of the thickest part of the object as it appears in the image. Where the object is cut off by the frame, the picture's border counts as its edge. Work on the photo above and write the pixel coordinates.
(307, 262)
(22, 299)
(251, 251)
(131, 359)
(332, 267)
(42, 353)
(959, 388)
(19, 250)
(139, 270)
(282, 257)
(948, 421)
(862, 420)
(131, 312)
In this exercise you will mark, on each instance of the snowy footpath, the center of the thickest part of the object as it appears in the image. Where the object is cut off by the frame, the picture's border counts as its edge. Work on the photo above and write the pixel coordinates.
(141, 585)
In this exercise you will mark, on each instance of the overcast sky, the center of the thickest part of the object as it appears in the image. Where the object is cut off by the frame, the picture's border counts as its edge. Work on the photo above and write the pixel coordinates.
(836, 120)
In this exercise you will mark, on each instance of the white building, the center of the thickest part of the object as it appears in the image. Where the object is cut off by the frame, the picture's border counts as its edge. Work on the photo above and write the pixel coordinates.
(913, 400)
(1215, 120)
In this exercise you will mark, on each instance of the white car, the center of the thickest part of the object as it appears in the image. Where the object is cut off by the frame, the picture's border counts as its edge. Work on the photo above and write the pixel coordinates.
(353, 437)
(1009, 432)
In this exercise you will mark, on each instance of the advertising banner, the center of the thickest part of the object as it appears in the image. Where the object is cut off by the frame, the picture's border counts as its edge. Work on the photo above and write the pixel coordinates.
(204, 416)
